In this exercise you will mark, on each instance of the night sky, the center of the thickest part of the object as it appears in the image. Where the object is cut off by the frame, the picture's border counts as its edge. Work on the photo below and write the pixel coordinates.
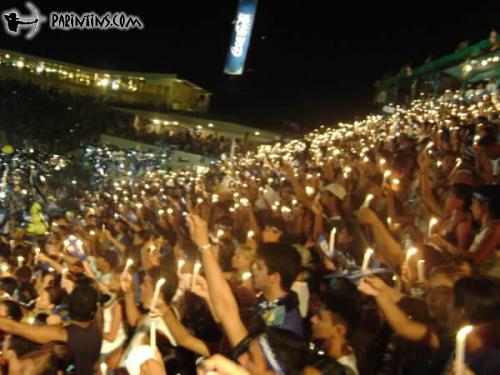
(310, 62)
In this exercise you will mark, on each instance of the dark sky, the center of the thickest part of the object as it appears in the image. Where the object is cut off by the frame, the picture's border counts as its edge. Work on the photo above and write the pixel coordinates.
(310, 61)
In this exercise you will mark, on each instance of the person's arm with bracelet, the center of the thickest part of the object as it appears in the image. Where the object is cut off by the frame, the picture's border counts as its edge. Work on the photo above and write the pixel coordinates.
(131, 311)
(223, 300)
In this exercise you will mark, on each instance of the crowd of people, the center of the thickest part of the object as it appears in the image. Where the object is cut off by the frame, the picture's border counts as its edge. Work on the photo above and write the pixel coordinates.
(188, 140)
(369, 248)
(51, 118)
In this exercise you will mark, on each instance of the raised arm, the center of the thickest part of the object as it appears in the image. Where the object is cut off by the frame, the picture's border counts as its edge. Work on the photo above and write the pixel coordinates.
(223, 300)
(397, 319)
(131, 311)
(183, 337)
(37, 334)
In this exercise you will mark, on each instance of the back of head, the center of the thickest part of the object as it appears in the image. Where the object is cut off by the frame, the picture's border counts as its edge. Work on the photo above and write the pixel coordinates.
(111, 258)
(82, 302)
(479, 297)
(283, 259)
(346, 305)
(13, 310)
(288, 348)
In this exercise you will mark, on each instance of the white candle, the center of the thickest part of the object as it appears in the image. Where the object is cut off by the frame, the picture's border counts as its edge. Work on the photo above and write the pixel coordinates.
(460, 349)
(389, 222)
(250, 234)
(180, 265)
(433, 221)
(367, 201)
(409, 253)
(421, 270)
(332, 240)
(129, 264)
(196, 271)
(387, 173)
(366, 259)
(246, 276)
(156, 294)
(20, 260)
(104, 368)
(152, 335)
(37, 253)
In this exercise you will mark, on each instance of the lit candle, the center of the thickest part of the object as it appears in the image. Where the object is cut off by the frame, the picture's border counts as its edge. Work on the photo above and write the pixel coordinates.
(460, 349)
(433, 221)
(37, 253)
(389, 222)
(366, 259)
(196, 271)
(104, 368)
(409, 253)
(421, 270)
(20, 260)
(156, 294)
(180, 265)
(250, 234)
(387, 173)
(367, 201)
(246, 276)
(129, 264)
(64, 272)
(309, 191)
(152, 335)
(332, 240)
(4, 267)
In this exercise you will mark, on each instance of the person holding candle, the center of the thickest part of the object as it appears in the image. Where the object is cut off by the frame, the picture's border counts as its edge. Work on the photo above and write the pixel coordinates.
(259, 355)
(454, 232)
(142, 322)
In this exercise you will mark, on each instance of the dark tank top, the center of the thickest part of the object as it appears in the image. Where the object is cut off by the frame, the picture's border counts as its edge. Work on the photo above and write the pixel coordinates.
(85, 343)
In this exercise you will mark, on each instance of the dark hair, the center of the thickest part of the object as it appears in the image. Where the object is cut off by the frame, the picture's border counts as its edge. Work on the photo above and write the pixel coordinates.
(289, 349)
(283, 259)
(110, 257)
(56, 294)
(8, 284)
(328, 366)
(26, 295)
(463, 192)
(491, 195)
(82, 302)
(479, 296)
(487, 140)
(345, 305)
(23, 274)
(13, 310)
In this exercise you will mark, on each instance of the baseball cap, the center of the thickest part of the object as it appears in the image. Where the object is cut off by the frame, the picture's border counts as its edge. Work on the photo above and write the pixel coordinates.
(336, 189)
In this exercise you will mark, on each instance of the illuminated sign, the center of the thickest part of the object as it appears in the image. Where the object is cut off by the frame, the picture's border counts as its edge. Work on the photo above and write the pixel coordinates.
(240, 39)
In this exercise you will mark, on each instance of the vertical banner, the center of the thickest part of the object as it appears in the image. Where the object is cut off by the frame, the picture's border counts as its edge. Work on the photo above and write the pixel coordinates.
(240, 40)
